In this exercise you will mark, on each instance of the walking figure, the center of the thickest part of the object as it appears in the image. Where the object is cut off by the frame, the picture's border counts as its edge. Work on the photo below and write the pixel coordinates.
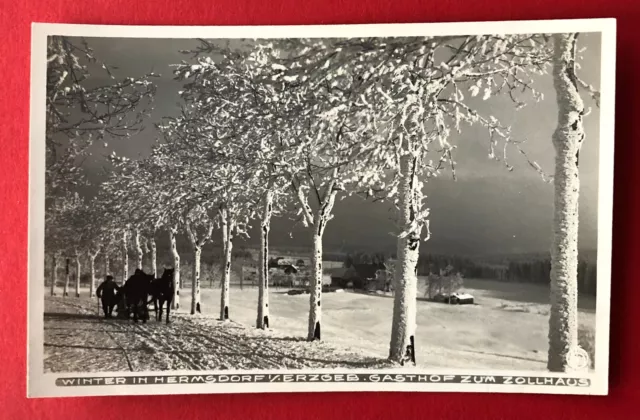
(107, 292)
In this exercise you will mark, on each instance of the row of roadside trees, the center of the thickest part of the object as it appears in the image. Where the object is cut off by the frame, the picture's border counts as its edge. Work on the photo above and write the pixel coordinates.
(287, 127)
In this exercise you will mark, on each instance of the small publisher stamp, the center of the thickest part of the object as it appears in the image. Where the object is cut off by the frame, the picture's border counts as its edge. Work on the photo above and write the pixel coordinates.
(578, 359)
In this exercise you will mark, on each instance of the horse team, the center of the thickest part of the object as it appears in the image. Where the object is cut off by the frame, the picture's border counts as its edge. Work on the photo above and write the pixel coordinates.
(134, 297)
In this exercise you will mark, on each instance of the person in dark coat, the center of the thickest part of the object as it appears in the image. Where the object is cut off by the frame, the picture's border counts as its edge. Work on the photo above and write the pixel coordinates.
(107, 292)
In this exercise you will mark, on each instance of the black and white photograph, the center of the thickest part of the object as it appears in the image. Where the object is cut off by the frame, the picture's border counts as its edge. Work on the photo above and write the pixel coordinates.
(392, 207)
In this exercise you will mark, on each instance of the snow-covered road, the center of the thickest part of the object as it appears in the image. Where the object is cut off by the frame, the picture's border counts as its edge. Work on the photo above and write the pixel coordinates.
(77, 339)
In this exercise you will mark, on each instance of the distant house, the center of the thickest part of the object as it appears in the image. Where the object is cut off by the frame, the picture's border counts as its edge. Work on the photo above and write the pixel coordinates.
(340, 276)
(281, 262)
(361, 276)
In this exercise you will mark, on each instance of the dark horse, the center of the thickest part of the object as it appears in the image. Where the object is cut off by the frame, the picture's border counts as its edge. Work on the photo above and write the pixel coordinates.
(136, 294)
(162, 291)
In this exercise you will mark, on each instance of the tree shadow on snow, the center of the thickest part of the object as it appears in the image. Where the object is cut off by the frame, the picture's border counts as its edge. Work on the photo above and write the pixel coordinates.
(74, 346)
(281, 357)
(62, 316)
(292, 339)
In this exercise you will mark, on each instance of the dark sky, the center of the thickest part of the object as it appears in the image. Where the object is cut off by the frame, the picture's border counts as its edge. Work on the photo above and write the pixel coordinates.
(488, 210)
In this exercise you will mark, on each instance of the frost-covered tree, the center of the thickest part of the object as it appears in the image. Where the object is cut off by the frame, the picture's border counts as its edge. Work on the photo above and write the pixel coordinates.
(270, 188)
(177, 283)
(99, 241)
(95, 237)
(75, 233)
(330, 157)
(180, 188)
(229, 84)
(197, 181)
(213, 185)
(153, 249)
(327, 136)
(199, 227)
(61, 233)
(78, 270)
(137, 240)
(92, 254)
(234, 211)
(174, 197)
(109, 246)
(417, 92)
(567, 141)
(81, 110)
(88, 234)
(53, 243)
(364, 113)
(115, 222)
(221, 117)
(133, 188)
(308, 143)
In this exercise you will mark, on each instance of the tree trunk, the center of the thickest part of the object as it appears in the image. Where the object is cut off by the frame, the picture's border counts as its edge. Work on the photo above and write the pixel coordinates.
(315, 297)
(107, 260)
(77, 275)
(567, 140)
(92, 268)
(227, 229)
(66, 278)
(125, 258)
(154, 257)
(139, 252)
(195, 282)
(225, 233)
(263, 273)
(403, 326)
(54, 275)
(177, 283)
(315, 311)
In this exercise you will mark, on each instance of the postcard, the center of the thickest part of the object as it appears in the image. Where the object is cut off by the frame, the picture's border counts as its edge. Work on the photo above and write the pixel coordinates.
(381, 207)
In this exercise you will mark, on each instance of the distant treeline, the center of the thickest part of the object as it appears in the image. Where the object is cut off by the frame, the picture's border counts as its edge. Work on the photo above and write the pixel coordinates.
(210, 253)
(526, 269)
(535, 270)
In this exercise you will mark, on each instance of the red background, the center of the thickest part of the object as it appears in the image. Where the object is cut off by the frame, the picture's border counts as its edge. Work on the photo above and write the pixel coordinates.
(16, 17)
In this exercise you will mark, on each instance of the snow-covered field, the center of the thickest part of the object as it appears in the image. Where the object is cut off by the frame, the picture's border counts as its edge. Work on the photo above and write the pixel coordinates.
(506, 329)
